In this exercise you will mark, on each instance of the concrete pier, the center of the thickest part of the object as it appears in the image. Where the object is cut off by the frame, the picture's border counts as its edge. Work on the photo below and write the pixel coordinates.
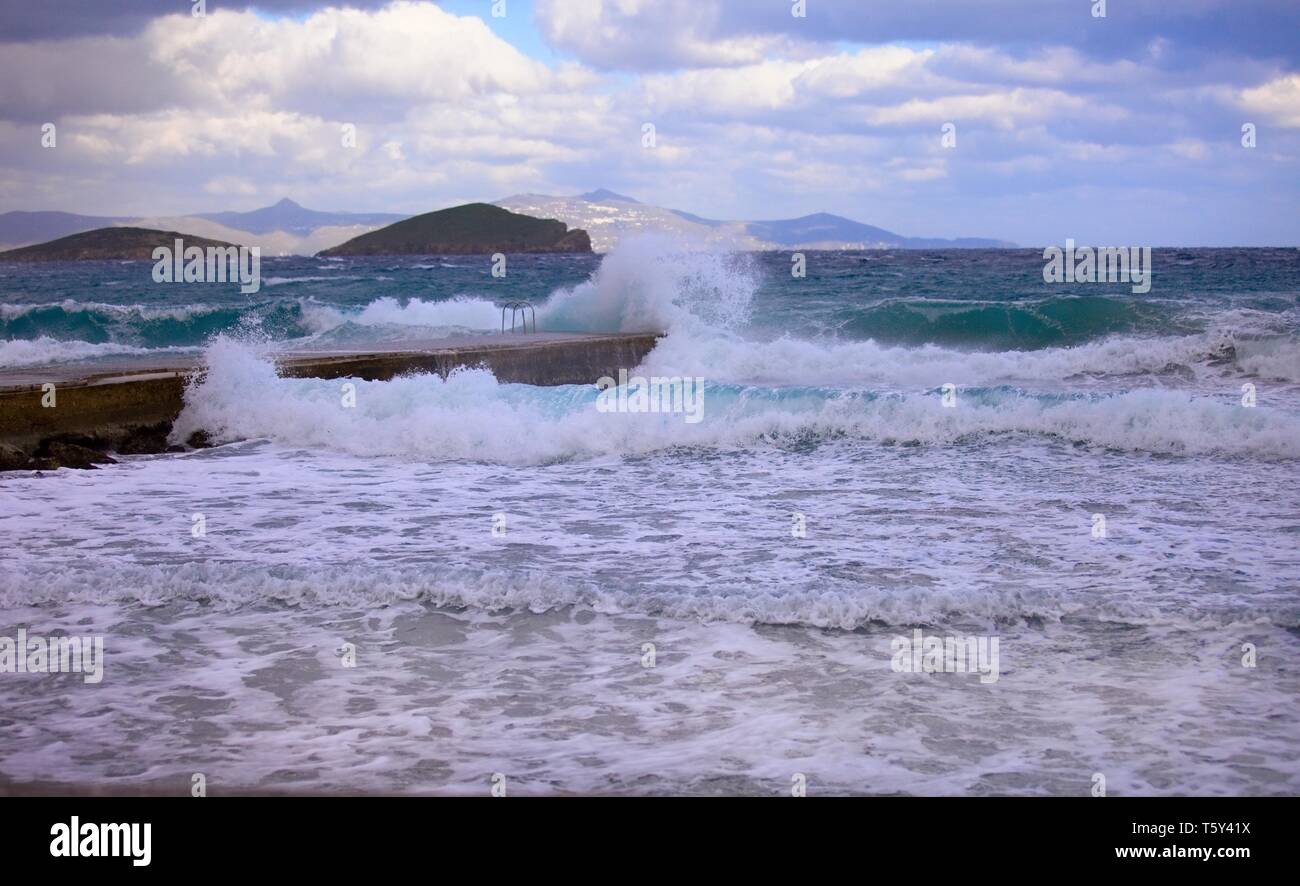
(111, 397)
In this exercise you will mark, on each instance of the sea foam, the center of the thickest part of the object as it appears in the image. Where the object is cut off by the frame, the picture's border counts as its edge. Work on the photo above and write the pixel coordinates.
(470, 415)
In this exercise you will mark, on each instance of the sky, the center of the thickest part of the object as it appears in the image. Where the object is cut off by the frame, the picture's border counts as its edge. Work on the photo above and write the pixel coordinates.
(1117, 129)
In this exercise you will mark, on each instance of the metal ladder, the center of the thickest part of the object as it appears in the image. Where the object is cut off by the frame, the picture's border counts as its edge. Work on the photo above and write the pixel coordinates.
(521, 311)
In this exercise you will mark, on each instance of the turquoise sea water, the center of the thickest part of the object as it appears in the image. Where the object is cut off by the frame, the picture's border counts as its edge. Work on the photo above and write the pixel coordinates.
(976, 299)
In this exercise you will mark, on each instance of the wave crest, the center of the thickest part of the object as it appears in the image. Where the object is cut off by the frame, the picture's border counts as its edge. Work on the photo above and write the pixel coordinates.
(471, 416)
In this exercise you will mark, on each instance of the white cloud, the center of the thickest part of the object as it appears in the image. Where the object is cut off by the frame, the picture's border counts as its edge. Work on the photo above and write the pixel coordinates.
(405, 52)
(656, 34)
(1279, 100)
(1003, 109)
(1189, 149)
(237, 107)
(230, 184)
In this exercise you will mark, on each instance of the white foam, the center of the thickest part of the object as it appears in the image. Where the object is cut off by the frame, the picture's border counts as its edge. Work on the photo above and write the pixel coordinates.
(656, 284)
(40, 351)
(1276, 358)
(462, 311)
(122, 312)
(791, 361)
(284, 281)
(470, 416)
(894, 535)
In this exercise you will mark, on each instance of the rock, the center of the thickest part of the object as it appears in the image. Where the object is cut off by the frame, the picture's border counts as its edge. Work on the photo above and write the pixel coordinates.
(142, 445)
(70, 455)
(147, 440)
(85, 441)
(138, 445)
(199, 440)
(576, 240)
(12, 458)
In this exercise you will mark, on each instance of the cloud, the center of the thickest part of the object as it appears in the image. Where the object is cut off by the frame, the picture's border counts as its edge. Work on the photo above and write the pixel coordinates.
(1278, 100)
(1190, 149)
(230, 184)
(28, 20)
(757, 113)
(321, 64)
(658, 34)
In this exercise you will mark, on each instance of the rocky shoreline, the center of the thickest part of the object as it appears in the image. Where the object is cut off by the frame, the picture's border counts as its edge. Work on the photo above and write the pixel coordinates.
(89, 451)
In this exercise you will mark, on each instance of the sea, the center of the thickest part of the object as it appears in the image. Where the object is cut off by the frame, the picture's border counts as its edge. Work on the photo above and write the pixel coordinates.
(460, 586)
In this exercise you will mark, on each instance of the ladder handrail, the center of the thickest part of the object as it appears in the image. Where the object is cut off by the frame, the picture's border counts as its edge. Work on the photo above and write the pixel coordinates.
(519, 310)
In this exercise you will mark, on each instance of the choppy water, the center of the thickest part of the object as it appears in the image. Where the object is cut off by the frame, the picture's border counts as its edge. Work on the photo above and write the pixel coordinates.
(523, 653)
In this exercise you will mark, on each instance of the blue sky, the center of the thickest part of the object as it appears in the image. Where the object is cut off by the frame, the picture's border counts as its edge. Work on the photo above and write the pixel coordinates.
(1116, 129)
(518, 26)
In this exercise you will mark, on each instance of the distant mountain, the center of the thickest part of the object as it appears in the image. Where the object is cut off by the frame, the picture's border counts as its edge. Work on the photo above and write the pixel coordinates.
(602, 194)
(610, 216)
(283, 229)
(292, 218)
(609, 219)
(288, 228)
(472, 229)
(824, 228)
(18, 228)
(271, 244)
(106, 244)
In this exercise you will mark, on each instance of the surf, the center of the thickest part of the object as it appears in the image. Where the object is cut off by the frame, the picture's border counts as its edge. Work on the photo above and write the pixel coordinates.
(470, 415)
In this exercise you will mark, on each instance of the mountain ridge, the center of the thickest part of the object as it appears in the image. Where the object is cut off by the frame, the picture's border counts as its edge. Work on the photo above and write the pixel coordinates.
(288, 228)
(608, 216)
(291, 217)
(284, 228)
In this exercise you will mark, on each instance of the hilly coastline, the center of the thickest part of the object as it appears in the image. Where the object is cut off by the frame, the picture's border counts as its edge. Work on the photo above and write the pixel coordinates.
(472, 229)
(107, 244)
(284, 228)
(602, 217)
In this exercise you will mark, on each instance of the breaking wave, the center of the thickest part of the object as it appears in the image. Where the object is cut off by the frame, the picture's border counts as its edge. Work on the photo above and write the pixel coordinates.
(469, 415)
(757, 392)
